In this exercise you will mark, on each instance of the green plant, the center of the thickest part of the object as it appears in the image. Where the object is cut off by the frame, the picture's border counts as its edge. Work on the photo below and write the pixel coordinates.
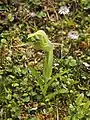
(80, 110)
(34, 2)
(40, 41)
(24, 90)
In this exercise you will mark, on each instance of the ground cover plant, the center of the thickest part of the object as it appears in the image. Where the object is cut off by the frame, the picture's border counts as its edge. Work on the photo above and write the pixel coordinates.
(44, 60)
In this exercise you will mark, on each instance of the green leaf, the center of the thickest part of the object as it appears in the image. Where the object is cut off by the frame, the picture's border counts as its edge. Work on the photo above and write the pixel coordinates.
(33, 118)
(41, 14)
(37, 76)
(9, 119)
(17, 69)
(15, 84)
(9, 97)
(84, 2)
(27, 99)
(79, 99)
(33, 93)
(88, 93)
(25, 94)
(86, 106)
(74, 118)
(3, 40)
(71, 62)
(30, 88)
(82, 88)
(52, 95)
(15, 95)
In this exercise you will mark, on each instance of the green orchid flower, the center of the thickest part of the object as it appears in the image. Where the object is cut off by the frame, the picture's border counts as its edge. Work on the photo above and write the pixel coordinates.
(40, 41)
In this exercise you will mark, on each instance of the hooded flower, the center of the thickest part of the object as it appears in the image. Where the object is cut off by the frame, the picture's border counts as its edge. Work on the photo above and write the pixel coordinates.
(64, 10)
(73, 35)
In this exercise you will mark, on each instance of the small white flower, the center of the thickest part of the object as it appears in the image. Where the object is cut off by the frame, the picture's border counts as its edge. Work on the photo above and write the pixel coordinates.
(44, 110)
(86, 64)
(9, 59)
(57, 83)
(32, 14)
(56, 64)
(64, 10)
(73, 35)
(10, 53)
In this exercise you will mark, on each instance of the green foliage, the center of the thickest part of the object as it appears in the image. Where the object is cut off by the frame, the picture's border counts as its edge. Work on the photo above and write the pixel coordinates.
(34, 2)
(29, 88)
(81, 109)
(70, 61)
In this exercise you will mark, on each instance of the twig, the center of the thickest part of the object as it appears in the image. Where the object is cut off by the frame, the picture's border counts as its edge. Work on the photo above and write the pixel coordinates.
(27, 44)
(57, 114)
